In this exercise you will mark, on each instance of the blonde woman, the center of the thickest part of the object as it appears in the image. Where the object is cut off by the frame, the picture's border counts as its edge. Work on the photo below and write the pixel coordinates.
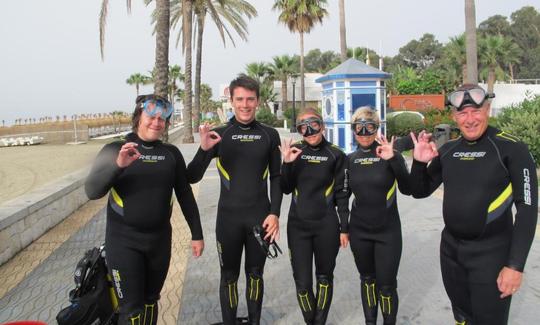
(374, 171)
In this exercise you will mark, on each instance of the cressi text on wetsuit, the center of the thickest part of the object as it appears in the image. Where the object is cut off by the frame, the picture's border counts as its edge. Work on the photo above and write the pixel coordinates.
(482, 179)
(375, 228)
(246, 157)
(138, 235)
(316, 180)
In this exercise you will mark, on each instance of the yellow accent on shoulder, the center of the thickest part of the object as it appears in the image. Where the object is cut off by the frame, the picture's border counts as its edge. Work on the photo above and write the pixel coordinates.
(507, 136)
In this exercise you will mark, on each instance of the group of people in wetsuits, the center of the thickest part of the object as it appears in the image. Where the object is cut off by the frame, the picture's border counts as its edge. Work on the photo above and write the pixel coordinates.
(484, 173)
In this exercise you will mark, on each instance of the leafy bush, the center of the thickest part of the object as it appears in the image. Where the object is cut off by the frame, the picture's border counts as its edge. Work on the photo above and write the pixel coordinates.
(402, 124)
(434, 117)
(264, 115)
(523, 121)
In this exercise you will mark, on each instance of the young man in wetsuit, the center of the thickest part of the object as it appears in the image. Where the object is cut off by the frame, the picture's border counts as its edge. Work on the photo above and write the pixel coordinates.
(247, 156)
(484, 172)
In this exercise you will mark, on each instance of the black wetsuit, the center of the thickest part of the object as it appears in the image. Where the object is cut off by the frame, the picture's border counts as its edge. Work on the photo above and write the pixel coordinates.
(316, 180)
(138, 235)
(481, 180)
(375, 228)
(246, 157)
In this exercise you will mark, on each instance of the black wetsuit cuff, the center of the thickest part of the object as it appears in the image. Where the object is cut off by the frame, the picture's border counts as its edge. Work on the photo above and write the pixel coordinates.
(515, 267)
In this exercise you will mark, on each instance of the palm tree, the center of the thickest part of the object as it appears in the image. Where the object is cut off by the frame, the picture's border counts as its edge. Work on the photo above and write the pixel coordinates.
(225, 14)
(495, 52)
(283, 67)
(161, 69)
(301, 16)
(470, 44)
(342, 31)
(456, 54)
(175, 74)
(137, 79)
(264, 74)
(162, 41)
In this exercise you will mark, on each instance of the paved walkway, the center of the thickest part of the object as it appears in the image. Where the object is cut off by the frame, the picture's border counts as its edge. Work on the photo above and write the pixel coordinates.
(35, 284)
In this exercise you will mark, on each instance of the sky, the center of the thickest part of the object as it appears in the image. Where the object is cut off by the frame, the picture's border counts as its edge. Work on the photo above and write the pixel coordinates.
(50, 62)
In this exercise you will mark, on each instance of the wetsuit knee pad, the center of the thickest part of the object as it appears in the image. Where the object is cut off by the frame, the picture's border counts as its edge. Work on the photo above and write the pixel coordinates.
(150, 314)
(324, 290)
(133, 318)
(255, 285)
(388, 300)
(228, 277)
(368, 293)
(460, 316)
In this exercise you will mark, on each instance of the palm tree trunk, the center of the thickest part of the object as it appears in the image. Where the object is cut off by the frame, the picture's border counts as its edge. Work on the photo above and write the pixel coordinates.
(511, 71)
(137, 88)
(302, 86)
(464, 72)
(198, 62)
(342, 31)
(491, 79)
(284, 94)
(187, 11)
(162, 53)
(470, 42)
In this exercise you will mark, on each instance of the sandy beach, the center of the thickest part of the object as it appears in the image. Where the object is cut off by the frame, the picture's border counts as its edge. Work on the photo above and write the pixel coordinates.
(25, 168)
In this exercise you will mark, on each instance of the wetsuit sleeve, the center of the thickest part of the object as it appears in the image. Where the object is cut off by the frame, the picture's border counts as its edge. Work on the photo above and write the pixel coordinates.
(199, 164)
(276, 195)
(103, 173)
(287, 179)
(522, 171)
(399, 167)
(341, 192)
(185, 198)
(425, 179)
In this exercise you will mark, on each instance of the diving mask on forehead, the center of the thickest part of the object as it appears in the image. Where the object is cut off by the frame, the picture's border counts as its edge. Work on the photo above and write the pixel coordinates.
(365, 127)
(474, 97)
(309, 126)
(153, 104)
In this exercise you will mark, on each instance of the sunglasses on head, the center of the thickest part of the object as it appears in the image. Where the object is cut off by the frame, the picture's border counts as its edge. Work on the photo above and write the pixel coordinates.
(470, 97)
(365, 127)
(309, 126)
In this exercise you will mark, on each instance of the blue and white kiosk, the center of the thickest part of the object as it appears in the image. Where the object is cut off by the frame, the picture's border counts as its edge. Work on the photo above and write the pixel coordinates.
(346, 87)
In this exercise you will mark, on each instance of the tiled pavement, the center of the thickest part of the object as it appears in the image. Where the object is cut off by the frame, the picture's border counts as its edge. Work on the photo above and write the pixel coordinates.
(39, 294)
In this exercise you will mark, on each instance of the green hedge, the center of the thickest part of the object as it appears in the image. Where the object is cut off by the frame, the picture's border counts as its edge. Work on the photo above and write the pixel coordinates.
(523, 121)
(264, 115)
(402, 124)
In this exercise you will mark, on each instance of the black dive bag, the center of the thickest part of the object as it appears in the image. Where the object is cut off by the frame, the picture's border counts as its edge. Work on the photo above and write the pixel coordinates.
(93, 301)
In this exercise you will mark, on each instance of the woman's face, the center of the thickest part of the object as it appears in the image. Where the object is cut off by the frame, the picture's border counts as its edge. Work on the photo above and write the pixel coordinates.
(150, 128)
(365, 132)
(313, 139)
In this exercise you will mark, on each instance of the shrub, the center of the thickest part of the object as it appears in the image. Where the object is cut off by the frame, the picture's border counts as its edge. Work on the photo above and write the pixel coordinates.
(434, 117)
(264, 115)
(523, 121)
(402, 124)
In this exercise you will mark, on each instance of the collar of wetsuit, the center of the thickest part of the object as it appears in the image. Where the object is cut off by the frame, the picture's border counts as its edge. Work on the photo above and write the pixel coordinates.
(133, 137)
(242, 125)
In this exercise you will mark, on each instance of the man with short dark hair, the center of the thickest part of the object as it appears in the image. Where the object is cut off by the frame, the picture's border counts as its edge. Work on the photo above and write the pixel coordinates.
(484, 172)
(247, 155)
